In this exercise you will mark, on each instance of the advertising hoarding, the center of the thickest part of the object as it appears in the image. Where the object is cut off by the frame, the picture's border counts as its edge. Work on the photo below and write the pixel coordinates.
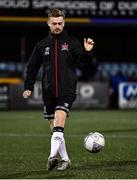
(128, 95)
(90, 95)
(84, 8)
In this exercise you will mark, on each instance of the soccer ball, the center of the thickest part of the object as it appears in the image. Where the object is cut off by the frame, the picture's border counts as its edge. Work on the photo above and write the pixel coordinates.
(94, 142)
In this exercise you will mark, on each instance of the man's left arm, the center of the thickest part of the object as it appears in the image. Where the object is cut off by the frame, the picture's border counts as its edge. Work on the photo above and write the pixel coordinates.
(83, 55)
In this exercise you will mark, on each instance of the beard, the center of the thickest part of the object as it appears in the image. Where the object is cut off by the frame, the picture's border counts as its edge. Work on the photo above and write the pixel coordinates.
(57, 31)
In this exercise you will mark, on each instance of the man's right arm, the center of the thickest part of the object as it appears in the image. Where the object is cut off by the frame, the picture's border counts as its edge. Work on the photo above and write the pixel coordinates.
(32, 69)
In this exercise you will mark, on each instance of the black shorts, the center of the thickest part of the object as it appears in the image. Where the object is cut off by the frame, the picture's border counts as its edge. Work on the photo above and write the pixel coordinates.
(61, 103)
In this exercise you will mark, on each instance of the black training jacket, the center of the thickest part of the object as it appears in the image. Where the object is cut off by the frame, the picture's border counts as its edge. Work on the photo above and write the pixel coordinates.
(59, 55)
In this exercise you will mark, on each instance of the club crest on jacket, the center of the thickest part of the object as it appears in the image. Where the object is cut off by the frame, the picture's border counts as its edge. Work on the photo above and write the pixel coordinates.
(64, 47)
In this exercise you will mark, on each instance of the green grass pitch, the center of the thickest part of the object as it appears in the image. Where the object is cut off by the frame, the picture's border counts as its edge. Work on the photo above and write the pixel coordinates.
(25, 144)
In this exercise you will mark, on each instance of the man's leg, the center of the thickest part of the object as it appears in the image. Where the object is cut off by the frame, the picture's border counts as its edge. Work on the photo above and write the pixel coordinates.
(60, 118)
(49, 110)
(62, 108)
(62, 150)
(58, 142)
(57, 138)
(51, 124)
(58, 132)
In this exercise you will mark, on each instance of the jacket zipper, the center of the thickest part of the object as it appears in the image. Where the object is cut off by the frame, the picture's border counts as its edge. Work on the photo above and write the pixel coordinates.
(56, 66)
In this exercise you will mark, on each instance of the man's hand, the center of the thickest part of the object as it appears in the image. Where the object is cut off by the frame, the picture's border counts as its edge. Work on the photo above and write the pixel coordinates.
(27, 93)
(88, 44)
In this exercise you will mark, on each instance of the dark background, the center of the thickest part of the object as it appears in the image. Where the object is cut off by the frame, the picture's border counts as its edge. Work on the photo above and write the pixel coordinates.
(112, 43)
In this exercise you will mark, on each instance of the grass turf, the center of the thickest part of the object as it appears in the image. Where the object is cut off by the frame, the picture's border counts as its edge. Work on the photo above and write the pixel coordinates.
(25, 144)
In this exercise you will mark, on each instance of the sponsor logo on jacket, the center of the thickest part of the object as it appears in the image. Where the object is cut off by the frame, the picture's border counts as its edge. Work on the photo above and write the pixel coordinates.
(46, 51)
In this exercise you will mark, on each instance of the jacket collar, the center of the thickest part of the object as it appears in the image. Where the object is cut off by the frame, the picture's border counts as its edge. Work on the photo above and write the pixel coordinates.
(63, 33)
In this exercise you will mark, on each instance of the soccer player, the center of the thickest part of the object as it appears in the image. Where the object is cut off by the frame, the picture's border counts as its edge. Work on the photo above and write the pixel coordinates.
(59, 54)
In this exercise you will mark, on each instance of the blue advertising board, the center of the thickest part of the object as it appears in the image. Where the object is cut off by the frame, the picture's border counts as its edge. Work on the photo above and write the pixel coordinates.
(128, 95)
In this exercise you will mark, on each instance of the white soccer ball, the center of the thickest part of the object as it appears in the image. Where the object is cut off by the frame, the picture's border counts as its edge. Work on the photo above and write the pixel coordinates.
(94, 142)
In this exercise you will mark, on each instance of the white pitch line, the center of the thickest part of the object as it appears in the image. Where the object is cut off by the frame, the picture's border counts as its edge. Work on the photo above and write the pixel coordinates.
(69, 135)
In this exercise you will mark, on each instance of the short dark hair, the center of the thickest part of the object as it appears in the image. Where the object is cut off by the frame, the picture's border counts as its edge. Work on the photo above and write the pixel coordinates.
(56, 13)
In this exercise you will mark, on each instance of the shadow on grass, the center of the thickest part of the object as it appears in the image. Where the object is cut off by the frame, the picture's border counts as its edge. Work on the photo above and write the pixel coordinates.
(74, 171)
(107, 165)
(38, 174)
